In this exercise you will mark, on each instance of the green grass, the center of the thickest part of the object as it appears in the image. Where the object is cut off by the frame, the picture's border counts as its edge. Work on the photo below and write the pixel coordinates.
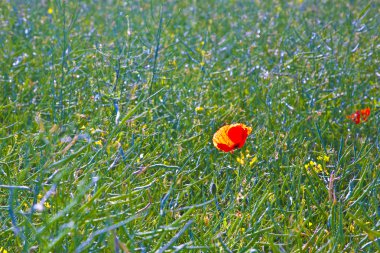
(102, 148)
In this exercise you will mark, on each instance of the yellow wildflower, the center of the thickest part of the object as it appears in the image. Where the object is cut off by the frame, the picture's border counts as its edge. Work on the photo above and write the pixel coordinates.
(325, 158)
(317, 167)
(38, 206)
(47, 205)
(2, 250)
(254, 159)
(99, 142)
(247, 156)
(352, 228)
(199, 109)
(240, 160)
(50, 11)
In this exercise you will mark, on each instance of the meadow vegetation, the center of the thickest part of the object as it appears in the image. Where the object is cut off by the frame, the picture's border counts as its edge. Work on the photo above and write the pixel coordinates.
(108, 109)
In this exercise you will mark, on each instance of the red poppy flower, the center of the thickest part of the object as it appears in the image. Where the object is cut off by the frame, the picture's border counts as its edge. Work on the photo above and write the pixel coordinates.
(355, 117)
(231, 137)
(360, 114)
(364, 114)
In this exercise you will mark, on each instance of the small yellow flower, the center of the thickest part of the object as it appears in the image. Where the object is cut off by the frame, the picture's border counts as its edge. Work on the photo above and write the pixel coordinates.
(325, 158)
(47, 205)
(240, 160)
(199, 109)
(352, 228)
(307, 166)
(310, 224)
(83, 127)
(319, 168)
(254, 159)
(99, 142)
(2, 250)
(50, 11)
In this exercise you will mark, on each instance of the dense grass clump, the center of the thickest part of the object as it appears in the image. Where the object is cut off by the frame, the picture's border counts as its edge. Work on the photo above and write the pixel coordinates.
(108, 109)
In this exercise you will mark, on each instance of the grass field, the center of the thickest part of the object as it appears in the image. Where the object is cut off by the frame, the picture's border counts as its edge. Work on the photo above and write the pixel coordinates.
(108, 109)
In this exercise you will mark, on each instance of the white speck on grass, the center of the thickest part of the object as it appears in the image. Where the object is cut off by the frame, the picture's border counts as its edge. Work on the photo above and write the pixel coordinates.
(38, 207)
(117, 117)
(17, 61)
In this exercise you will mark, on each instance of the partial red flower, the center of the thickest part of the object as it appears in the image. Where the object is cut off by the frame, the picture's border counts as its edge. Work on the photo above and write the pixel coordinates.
(360, 115)
(355, 117)
(364, 114)
(231, 137)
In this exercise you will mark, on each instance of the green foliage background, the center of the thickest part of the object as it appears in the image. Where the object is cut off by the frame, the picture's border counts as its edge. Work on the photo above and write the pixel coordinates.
(108, 109)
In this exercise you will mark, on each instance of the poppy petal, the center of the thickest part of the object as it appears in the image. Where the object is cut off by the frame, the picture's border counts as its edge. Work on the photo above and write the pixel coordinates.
(221, 138)
(355, 117)
(365, 113)
(224, 147)
(238, 134)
